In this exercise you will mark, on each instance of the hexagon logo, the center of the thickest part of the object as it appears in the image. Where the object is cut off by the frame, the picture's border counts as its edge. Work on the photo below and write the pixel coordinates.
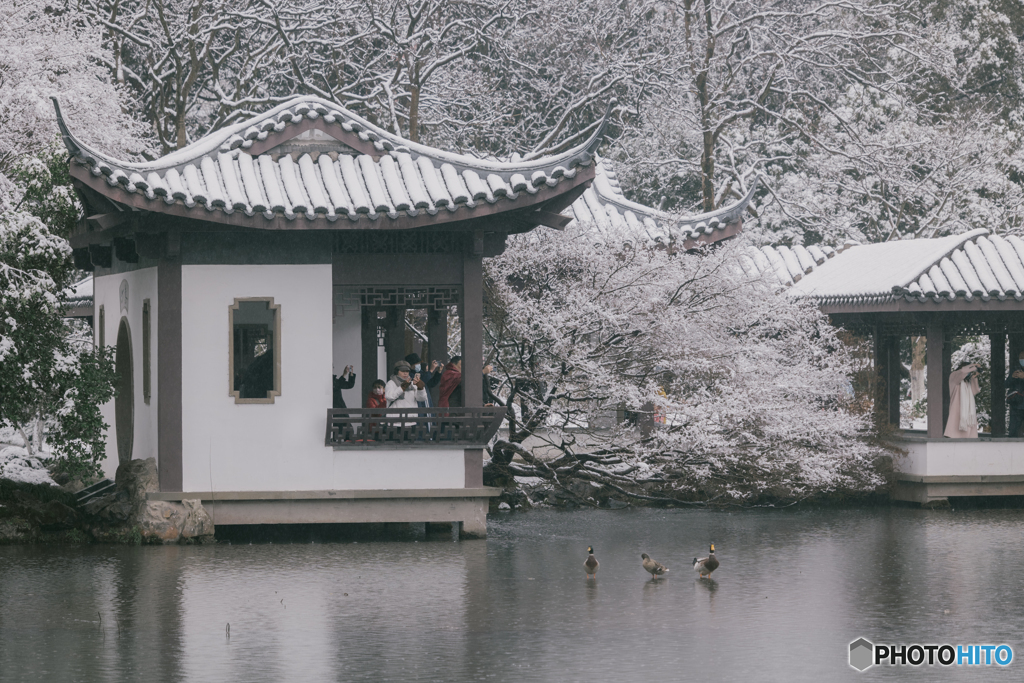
(861, 654)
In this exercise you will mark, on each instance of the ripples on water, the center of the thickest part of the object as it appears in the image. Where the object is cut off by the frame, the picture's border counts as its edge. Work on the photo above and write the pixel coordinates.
(794, 588)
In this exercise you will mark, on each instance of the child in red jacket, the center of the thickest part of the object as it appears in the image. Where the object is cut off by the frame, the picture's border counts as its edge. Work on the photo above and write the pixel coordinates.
(376, 398)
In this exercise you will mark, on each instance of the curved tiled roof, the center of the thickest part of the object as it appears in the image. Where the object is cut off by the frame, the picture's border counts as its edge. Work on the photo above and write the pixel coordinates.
(604, 206)
(788, 264)
(974, 266)
(230, 172)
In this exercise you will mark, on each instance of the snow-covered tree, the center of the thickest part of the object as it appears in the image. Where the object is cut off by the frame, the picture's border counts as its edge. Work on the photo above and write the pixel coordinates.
(51, 382)
(872, 121)
(667, 377)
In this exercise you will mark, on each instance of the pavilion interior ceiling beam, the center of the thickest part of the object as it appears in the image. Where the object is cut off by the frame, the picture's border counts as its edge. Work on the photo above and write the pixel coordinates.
(550, 220)
(105, 221)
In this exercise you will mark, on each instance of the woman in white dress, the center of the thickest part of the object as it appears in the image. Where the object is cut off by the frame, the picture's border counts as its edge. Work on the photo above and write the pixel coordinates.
(963, 413)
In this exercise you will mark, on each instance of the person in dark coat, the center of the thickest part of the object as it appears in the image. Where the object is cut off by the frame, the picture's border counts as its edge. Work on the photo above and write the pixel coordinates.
(451, 384)
(490, 398)
(258, 379)
(346, 381)
(1015, 397)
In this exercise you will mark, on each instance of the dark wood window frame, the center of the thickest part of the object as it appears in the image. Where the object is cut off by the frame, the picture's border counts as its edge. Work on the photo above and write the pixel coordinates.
(276, 309)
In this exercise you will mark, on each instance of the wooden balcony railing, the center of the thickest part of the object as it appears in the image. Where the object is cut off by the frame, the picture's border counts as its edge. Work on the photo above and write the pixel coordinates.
(412, 427)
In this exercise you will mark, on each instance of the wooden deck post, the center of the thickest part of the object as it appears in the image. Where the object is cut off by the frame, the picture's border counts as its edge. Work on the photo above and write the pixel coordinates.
(936, 386)
(997, 344)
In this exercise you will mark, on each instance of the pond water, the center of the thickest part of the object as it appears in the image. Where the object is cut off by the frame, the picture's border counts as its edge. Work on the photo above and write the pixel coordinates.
(793, 590)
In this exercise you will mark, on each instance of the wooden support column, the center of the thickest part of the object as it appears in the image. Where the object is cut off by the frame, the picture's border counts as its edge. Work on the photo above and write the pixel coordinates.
(947, 370)
(437, 345)
(936, 387)
(1016, 345)
(893, 379)
(887, 368)
(395, 342)
(997, 344)
(169, 398)
(368, 336)
(437, 336)
(473, 323)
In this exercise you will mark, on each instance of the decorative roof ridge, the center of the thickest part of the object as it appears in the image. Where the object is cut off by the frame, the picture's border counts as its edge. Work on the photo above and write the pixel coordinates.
(961, 239)
(723, 214)
(230, 138)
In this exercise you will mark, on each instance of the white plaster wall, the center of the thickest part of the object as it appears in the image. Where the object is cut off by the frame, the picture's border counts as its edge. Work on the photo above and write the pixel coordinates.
(348, 350)
(142, 284)
(279, 446)
(961, 457)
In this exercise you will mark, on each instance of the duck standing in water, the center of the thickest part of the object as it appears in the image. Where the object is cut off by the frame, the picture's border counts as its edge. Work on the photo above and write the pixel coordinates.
(656, 569)
(706, 564)
(591, 564)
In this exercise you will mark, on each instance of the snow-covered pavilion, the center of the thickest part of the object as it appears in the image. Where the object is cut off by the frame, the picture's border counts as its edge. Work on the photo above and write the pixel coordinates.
(232, 276)
(972, 283)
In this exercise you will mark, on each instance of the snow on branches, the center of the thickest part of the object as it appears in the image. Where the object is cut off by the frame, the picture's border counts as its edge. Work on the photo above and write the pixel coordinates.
(667, 377)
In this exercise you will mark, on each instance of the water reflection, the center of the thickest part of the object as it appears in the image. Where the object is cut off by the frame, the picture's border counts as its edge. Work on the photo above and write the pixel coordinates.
(794, 588)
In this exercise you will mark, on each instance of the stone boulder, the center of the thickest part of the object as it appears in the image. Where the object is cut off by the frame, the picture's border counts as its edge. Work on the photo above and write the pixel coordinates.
(158, 521)
(198, 523)
(161, 521)
(136, 478)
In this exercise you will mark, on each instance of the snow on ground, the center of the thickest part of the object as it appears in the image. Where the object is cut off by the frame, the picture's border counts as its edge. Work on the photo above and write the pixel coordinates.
(17, 465)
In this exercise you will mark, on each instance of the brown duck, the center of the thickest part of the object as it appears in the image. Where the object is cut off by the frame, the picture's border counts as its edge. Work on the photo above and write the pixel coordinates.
(591, 564)
(656, 569)
(706, 565)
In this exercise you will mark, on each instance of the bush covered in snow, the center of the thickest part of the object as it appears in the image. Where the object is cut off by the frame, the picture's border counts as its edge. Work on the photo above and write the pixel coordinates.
(668, 376)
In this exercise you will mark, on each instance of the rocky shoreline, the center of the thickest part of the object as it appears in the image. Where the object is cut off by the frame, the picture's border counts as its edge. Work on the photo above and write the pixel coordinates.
(39, 513)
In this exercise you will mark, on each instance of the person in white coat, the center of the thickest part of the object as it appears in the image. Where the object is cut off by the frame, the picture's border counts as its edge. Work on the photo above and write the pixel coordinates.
(404, 391)
(963, 413)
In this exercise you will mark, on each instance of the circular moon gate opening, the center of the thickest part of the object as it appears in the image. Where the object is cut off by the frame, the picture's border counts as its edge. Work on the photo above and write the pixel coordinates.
(124, 401)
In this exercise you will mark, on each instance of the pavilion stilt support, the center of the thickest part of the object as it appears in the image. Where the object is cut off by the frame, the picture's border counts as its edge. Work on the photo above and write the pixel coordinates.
(997, 343)
(935, 384)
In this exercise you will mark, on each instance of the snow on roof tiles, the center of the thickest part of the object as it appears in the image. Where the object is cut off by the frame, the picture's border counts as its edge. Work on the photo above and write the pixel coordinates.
(229, 170)
(973, 265)
(604, 205)
(790, 264)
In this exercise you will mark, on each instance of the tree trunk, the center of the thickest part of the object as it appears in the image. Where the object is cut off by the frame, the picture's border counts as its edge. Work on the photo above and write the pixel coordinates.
(414, 114)
(917, 345)
(707, 158)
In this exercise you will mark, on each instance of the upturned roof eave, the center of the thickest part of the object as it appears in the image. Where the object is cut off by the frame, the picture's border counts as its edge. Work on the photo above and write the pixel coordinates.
(521, 203)
(223, 141)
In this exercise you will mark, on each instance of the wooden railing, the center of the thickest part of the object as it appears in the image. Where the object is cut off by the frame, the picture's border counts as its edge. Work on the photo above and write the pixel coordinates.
(412, 427)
